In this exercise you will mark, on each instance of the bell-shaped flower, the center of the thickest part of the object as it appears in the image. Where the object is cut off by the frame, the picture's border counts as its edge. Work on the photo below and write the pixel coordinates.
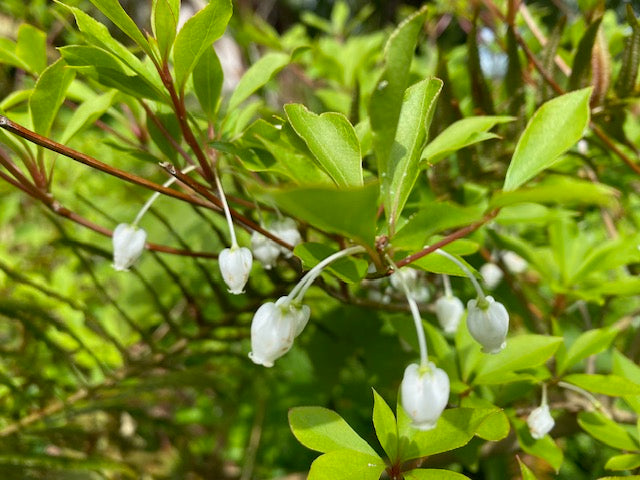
(488, 323)
(449, 311)
(514, 262)
(414, 282)
(287, 230)
(273, 329)
(491, 275)
(235, 266)
(128, 244)
(265, 250)
(425, 394)
(540, 421)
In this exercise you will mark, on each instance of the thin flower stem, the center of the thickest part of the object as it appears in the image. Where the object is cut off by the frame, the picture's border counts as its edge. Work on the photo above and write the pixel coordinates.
(544, 394)
(227, 213)
(447, 285)
(464, 268)
(303, 285)
(155, 195)
(415, 313)
(596, 403)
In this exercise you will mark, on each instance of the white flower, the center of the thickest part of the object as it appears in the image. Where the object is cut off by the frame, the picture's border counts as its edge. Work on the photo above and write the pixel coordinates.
(273, 329)
(488, 323)
(235, 266)
(128, 244)
(425, 394)
(265, 250)
(287, 230)
(540, 421)
(491, 275)
(449, 311)
(514, 262)
(411, 277)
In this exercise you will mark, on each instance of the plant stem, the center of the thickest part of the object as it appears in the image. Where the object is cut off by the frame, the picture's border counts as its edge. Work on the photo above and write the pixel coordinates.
(415, 313)
(464, 268)
(227, 213)
(303, 285)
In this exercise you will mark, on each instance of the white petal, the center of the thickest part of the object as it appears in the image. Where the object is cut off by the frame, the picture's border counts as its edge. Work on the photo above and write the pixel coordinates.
(540, 422)
(424, 395)
(488, 325)
(128, 245)
(235, 266)
(449, 311)
(491, 275)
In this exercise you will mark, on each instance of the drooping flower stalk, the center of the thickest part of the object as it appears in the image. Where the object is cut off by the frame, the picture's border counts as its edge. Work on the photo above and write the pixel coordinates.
(234, 262)
(464, 268)
(417, 319)
(129, 240)
(275, 325)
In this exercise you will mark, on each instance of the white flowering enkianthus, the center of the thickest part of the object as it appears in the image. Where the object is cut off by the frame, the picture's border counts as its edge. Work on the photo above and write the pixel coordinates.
(235, 266)
(449, 311)
(412, 279)
(424, 394)
(514, 262)
(488, 323)
(491, 275)
(540, 421)
(273, 329)
(265, 250)
(276, 325)
(128, 244)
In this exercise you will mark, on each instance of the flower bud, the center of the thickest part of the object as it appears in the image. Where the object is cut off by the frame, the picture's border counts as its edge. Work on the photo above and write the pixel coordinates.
(449, 311)
(265, 250)
(540, 421)
(488, 323)
(491, 275)
(235, 266)
(128, 244)
(425, 394)
(273, 329)
(287, 230)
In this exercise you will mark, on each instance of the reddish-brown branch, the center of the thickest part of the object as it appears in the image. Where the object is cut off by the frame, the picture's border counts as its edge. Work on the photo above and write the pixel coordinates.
(447, 240)
(45, 142)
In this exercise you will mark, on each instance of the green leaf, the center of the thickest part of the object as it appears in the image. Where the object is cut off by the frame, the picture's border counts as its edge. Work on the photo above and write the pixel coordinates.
(434, 218)
(627, 461)
(347, 269)
(257, 76)
(325, 431)
(433, 474)
(521, 352)
(607, 431)
(400, 171)
(8, 55)
(386, 100)
(108, 70)
(207, 81)
(99, 35)
(164, 21)
(454, 429)
(494, 428)
(333, 142)
(384, 422)
(612, 385)
(48, 95)
(31, 47)
(197, 35)
(588, 343)
(436, 263)
(526, 473)
(346, 465)
(458, 135)
(544, 448)
(624, 367)
(553, 129)
(88, 112)
(348, 212)
(114, 12)
(558, 189)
